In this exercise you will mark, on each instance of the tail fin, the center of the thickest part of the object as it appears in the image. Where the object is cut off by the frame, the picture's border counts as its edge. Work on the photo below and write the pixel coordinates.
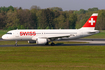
(90, 24)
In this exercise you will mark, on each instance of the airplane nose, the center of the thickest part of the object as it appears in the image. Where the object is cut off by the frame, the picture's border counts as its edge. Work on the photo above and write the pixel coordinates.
(4, 37)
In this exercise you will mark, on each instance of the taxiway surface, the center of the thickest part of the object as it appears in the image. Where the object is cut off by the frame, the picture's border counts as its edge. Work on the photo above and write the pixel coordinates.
(95, 42)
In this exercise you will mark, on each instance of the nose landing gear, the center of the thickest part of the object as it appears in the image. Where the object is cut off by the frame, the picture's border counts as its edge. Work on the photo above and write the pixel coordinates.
(16, 43)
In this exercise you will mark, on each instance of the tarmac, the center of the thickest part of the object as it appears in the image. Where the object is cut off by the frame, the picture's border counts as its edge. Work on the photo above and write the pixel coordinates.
(92, 42)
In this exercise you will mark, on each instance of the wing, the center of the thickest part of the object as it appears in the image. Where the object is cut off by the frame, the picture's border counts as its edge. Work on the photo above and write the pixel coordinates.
(50, 37)
(56, 37)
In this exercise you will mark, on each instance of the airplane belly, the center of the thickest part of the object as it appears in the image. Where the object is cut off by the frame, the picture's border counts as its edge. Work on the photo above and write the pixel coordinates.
(21, 38)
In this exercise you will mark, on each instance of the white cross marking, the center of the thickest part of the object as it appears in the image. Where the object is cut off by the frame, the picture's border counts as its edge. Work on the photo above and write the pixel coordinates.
(92, 21)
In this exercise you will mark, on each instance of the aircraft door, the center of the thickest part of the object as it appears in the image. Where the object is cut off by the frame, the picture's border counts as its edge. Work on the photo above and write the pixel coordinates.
(17, 34)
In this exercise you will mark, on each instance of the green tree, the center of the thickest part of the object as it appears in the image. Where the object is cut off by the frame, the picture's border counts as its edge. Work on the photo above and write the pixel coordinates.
(56, 9)
(101, 20)
(92, 9)
(34, 18)
(59, 22)
(82, 11)
(25, 18)
(46, 19)
(35, 7)
(2, 20)
(12, 20)
(72, 21)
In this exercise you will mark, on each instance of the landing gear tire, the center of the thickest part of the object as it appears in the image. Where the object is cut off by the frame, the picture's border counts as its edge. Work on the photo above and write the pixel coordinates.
(16, 43)
(52, 44)
(47, 43)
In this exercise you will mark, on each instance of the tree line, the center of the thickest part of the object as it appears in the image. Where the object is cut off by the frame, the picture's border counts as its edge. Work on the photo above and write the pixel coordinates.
(50, 18)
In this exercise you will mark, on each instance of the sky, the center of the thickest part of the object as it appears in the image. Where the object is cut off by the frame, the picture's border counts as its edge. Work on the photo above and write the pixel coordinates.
(64, 4)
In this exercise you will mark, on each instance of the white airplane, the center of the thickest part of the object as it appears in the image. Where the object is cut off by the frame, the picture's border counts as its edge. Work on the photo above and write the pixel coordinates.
(44, 36)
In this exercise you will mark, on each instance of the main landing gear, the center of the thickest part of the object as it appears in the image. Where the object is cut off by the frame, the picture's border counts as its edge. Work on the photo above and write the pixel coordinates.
(52, 44)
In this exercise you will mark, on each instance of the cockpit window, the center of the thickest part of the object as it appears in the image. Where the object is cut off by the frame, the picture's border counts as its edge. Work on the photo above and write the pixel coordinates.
(9, 33)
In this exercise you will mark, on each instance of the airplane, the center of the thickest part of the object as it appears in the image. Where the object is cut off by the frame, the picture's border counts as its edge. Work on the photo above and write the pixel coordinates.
(44, 36)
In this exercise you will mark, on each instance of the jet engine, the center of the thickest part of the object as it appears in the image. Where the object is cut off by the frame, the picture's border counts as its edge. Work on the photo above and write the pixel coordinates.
(41, 41)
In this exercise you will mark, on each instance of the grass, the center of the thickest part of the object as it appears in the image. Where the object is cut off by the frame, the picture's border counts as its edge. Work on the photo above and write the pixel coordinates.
(52, 58)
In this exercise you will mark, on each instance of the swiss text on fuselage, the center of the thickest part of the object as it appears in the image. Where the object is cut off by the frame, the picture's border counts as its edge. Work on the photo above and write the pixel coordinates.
(27, 33)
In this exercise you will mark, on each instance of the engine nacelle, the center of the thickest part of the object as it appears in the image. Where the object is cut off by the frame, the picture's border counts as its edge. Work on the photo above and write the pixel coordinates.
(31, 41)
(41, 41)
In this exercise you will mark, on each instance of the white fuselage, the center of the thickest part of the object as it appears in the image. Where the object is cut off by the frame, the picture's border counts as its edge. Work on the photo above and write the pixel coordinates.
(51, 34)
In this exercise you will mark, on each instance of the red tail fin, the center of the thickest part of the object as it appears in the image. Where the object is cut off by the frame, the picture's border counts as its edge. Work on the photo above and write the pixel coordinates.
(91, 21)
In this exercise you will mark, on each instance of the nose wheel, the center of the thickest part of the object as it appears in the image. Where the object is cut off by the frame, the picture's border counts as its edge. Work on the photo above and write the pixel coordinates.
(16, 43)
